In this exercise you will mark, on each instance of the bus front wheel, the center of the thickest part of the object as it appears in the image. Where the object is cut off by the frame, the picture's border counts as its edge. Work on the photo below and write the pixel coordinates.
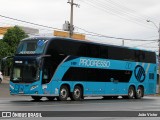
(77, 93)
(36, 98)
(64, 93)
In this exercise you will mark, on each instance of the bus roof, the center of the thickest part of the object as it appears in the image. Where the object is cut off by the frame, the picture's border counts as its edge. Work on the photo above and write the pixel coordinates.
(83, 41)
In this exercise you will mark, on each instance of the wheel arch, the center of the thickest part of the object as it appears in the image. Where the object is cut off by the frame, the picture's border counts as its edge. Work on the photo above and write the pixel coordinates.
(67, 85)
(80, 85)
(142, 86)
(134, 86)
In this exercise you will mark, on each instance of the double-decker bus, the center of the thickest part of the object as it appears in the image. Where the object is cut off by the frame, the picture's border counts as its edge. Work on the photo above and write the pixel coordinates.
(60, 68)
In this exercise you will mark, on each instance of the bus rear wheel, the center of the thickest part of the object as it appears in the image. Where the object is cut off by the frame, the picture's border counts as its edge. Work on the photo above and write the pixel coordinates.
(77, 94)
(64, 93)
(36, 98)
(139, 93)
(131, 92)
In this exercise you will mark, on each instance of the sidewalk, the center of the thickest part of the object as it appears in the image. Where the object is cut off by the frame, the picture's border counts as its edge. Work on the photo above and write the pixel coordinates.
(6, 79)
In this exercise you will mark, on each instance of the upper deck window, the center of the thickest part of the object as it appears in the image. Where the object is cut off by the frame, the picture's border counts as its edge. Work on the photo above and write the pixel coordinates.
(31, 47)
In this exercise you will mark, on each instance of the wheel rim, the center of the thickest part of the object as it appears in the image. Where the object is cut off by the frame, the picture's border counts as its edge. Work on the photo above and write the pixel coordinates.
(131, 93)
(139, 92)
(77, 93)
(63, 93)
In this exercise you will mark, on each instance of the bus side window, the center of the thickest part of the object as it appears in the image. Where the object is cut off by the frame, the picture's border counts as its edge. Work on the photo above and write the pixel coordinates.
(82, 50)
(104, 52)
(140, 56)
(45, 76)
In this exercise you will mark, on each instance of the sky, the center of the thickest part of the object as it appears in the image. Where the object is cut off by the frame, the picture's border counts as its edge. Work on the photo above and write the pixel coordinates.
(116, 18)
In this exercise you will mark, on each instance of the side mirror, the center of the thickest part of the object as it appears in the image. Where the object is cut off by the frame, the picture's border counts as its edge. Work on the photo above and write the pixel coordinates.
(3, 61)
(5, 58)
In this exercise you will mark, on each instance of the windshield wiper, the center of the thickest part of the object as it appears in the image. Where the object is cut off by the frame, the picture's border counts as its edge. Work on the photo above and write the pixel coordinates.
(16, 80)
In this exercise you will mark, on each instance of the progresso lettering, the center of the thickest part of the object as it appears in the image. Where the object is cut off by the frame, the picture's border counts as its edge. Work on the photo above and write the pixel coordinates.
(94, 63)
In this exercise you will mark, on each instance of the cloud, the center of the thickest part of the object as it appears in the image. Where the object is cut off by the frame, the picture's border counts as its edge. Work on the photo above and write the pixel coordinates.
(54, 13)
(153, 12)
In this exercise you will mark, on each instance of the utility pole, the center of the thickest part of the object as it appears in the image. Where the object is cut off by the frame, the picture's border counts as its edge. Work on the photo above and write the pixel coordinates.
(71, 27)
(122, 42)
(158, 28)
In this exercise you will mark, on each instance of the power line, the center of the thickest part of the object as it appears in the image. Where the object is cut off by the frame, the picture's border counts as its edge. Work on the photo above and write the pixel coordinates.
(145, 44)
(29, 22)
(11, 24)
(91, 33)
(121, 4)
(133, 10)
(116, 11)
(100, 35)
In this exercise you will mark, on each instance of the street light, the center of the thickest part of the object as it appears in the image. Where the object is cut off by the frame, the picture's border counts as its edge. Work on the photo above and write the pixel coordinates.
(158, 28)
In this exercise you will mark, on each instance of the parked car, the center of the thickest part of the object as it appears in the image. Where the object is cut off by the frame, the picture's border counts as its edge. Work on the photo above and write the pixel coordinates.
(1, 77)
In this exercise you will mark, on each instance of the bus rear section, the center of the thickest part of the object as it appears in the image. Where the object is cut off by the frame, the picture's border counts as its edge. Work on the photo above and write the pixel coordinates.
(62, 68)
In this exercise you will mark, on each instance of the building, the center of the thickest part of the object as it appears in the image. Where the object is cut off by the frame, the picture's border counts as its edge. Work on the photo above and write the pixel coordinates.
(27, 30)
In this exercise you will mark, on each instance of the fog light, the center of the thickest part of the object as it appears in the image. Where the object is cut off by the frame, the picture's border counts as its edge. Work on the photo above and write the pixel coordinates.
(34, 87)
(11, 87)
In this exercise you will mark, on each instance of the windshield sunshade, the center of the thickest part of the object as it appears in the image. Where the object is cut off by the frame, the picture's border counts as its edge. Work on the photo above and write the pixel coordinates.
(31, 47)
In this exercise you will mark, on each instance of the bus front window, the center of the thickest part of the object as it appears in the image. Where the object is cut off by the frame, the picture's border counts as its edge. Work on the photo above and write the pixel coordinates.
(16, 74)
(31, 47)
(25, 73)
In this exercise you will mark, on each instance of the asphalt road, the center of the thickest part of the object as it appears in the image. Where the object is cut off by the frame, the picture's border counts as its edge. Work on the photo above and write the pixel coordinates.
(23, 103)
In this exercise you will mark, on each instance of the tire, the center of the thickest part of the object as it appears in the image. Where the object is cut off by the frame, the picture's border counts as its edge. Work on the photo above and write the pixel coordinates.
(77, 94)
(36, 98)
(139, 93)
(64, 93)
(0, 80)
(131, 92)
(50, 98)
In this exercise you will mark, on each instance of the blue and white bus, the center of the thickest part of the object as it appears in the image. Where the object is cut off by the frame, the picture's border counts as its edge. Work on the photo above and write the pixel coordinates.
(55, 67)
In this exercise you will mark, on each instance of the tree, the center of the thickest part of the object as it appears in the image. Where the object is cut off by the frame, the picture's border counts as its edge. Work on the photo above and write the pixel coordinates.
(13, 36)
(9, 44)
(5, 49)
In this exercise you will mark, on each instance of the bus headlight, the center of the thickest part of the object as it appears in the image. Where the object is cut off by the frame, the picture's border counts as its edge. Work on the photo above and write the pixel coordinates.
(34, 87)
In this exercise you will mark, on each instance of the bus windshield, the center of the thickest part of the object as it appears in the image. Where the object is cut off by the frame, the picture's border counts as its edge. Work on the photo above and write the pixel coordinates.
(27, 72)
(31, 46)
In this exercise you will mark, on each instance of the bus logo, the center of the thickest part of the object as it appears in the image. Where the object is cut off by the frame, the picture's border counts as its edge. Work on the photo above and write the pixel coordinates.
(139, 73)
(40, 43)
